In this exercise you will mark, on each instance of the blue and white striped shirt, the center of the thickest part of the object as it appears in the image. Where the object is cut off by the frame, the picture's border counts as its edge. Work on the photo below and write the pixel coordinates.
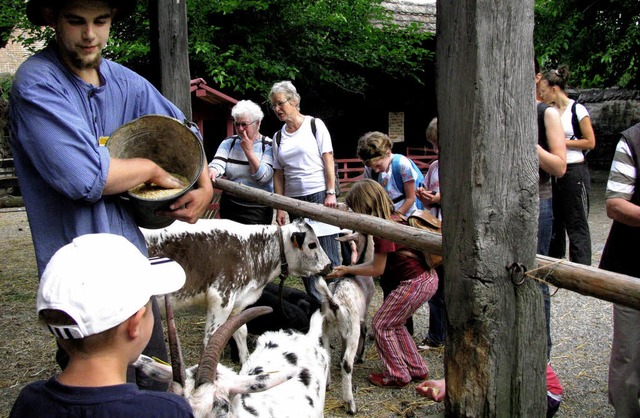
(233, 163)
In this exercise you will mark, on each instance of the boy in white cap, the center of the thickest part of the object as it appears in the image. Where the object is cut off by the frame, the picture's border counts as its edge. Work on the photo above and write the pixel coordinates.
(95, 297)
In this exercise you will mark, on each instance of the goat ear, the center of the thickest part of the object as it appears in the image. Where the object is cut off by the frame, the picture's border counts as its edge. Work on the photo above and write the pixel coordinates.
(242, 384)
(297, 239)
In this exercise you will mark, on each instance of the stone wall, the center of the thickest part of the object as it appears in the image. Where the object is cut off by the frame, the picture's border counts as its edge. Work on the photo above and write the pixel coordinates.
(612, 111)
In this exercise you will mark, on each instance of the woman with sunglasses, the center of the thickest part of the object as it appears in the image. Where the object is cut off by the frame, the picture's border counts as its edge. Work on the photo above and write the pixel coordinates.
(245, 158)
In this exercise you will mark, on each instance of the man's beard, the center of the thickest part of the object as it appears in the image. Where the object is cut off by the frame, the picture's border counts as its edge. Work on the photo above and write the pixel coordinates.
(79, 63)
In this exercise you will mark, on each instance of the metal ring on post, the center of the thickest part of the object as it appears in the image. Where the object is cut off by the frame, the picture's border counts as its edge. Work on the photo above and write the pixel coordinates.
(517, 272)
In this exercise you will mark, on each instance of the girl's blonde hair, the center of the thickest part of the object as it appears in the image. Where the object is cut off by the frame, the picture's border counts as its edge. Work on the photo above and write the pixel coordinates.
(373, 145)
(368, 197)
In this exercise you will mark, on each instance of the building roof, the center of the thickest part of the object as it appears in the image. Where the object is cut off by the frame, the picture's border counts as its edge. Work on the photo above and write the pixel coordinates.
(405, 12)
(200, 89)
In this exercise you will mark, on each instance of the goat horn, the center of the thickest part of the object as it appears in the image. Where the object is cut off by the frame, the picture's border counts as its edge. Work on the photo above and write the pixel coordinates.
(211, 354)
(177, 363)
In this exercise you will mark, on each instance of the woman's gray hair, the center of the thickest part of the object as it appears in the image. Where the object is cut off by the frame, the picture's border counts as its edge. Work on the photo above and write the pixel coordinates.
(288, 89)
(248, 108)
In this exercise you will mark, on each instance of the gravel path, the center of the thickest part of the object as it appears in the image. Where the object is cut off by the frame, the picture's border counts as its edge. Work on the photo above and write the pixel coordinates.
(581, 332)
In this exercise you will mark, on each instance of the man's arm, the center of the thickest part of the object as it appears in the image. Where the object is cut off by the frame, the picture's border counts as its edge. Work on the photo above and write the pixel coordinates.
(621, 187)
(127, 173)
(623, 211)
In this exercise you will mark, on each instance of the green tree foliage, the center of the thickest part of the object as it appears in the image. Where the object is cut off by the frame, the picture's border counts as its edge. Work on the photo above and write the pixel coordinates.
(598, 39)
(246, 45)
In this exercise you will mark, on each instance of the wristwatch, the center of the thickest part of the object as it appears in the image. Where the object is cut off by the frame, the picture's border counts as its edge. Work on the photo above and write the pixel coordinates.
(331, 191)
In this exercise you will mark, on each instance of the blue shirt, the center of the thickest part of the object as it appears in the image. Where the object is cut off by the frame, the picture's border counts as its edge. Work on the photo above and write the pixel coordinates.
(56, 121)
(53, 399)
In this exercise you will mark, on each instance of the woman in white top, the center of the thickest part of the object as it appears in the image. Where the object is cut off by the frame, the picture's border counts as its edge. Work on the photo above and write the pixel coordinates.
(303, 163)
(570, 192)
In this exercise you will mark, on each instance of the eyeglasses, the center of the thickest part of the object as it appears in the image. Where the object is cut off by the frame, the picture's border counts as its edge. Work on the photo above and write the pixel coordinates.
(243, 124)
(280, 104)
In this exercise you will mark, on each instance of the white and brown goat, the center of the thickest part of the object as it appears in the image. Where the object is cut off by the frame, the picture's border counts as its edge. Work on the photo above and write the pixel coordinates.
(228, 264)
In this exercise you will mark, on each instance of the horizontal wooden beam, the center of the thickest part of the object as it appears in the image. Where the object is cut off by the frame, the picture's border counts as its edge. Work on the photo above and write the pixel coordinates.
(586, 280)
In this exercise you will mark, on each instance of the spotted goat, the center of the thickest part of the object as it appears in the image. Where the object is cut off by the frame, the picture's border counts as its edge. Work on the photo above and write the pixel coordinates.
(284, 377)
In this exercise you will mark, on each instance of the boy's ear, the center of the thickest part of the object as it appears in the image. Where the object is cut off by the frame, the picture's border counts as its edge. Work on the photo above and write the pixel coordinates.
(133, 323)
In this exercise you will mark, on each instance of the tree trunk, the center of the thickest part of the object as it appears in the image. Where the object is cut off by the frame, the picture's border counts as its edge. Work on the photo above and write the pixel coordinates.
(496, 339)
(169, 27)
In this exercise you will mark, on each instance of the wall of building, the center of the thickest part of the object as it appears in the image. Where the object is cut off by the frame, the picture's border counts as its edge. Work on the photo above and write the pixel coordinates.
(611, 111)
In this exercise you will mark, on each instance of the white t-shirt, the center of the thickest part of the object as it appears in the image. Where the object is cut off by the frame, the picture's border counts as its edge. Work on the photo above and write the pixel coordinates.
(573, 155)
(300, 157)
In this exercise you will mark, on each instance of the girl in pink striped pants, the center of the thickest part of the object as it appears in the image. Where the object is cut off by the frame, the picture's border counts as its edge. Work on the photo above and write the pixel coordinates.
(402, 269)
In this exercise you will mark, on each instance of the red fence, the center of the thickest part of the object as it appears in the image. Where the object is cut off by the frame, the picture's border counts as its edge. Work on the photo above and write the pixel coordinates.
(351, 170)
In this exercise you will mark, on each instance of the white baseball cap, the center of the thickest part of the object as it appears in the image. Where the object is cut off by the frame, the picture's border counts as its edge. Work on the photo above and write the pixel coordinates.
(100, 280)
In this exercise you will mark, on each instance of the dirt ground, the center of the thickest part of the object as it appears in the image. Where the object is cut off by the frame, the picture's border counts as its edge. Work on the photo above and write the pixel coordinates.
(581, 332)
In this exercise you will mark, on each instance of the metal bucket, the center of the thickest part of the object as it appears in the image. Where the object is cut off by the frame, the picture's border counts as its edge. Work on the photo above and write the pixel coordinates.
(170, 144)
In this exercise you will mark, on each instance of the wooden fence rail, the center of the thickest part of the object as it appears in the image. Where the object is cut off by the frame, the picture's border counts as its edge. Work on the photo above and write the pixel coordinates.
(589, 281)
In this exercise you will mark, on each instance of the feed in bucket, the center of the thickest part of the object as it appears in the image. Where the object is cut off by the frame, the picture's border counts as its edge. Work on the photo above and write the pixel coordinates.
(152, 191)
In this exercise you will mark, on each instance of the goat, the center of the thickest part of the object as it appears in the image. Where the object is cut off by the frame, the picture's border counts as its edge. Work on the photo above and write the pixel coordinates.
(231, 263)
(284, 377)
(345, 306)
(292, 309)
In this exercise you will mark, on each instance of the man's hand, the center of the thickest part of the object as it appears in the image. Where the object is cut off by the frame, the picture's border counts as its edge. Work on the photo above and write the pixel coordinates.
(192, 205)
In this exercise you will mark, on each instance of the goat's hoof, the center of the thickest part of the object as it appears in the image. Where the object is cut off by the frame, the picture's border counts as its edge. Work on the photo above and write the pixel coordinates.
(351, 408)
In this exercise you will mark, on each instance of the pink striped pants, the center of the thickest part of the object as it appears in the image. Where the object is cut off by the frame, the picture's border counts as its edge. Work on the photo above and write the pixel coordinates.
(397, 350)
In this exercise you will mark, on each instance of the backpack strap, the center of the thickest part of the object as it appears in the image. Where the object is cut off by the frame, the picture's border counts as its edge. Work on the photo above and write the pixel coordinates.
(397, 177)
(575, 123)
(278, 135)
(395, 172)
(262, 137)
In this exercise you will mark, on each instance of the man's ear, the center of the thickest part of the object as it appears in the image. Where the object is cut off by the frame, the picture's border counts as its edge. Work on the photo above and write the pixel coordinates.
(133, 323)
